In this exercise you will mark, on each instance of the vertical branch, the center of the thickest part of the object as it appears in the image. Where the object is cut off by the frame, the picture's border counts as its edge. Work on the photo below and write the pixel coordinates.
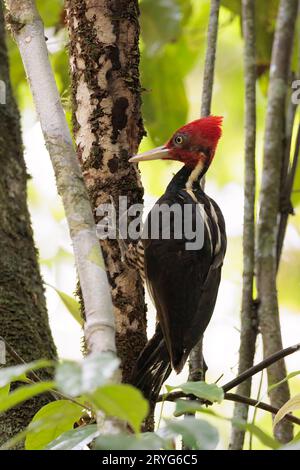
(266, 265)
(28, 31)
(107, 124)
(289, 168)
(248, 309)
(210, 58)
(196, 362)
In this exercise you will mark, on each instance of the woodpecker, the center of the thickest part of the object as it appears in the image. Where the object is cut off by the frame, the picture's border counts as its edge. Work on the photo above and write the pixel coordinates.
(183, 282)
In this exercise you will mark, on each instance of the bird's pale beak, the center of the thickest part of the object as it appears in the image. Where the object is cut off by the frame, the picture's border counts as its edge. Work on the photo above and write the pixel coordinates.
(155, 154)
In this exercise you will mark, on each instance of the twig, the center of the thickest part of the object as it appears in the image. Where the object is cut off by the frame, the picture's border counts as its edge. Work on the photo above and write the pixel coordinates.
(249, 307)
(260, 366)
(259, 404)
(230, 397)
(241, 378)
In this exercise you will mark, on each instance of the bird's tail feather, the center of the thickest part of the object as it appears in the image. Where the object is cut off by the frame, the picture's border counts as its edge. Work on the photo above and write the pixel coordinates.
(152, 368)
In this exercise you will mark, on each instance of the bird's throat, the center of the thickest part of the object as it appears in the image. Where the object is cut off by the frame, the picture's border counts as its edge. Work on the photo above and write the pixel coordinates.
(195, 175)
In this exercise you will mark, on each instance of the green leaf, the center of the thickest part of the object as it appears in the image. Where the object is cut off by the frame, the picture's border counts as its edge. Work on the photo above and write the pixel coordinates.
(233, 5)
(196, 433)
(210, 392)
(77, 378)
(292, 404)
(265, 438)
(187, 406)
(4, 391)
(50, 11)
(122, 401)
(24, 393)
(76, 439)
(265, 21)
(160, 23)
(296, 187)
(11, 374)
(145, 441)
(71, 304)
(288, 377)
(163, 115)
(50, 422)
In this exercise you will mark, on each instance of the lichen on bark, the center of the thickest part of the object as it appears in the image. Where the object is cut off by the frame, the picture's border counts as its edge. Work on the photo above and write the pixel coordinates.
(107, 123)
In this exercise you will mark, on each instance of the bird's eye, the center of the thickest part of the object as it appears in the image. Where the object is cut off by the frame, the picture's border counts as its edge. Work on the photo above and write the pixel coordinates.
(178, 140)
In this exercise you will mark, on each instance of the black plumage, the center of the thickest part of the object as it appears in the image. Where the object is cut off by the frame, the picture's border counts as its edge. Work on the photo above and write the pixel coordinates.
(183, 283)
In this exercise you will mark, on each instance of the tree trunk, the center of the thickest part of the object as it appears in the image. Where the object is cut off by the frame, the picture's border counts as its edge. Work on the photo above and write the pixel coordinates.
(107, 122)
(23, 315)
(266, 265)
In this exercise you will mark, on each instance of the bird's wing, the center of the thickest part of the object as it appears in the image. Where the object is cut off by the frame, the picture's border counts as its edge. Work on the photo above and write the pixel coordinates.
(184, 284)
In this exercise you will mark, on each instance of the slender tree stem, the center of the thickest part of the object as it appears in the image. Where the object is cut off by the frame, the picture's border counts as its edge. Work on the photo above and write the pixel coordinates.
(266, 260)
(210, 58)
(249, 308)
(260, 366)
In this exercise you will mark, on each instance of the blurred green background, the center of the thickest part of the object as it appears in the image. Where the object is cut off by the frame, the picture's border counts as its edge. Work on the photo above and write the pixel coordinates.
(173, 40)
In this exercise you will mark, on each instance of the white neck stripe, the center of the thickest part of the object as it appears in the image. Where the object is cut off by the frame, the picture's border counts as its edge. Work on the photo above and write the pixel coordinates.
(194, 175)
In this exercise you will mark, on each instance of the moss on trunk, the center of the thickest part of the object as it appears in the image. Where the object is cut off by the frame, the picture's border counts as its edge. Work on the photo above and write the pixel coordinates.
(23, 315)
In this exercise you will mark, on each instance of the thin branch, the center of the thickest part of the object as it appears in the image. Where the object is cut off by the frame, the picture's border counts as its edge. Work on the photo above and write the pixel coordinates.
(286, 205)
(28, 31)
(260, 366)
(259, 404)
(210, 58)
(241, 378)
(249, 307)
(230, 397)
(248, 373)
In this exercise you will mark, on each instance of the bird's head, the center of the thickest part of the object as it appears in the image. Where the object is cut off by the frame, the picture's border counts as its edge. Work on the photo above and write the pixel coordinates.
(193, 144)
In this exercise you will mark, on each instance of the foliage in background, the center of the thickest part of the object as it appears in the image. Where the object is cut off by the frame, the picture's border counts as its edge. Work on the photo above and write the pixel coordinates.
(82, 389)
(172, 45)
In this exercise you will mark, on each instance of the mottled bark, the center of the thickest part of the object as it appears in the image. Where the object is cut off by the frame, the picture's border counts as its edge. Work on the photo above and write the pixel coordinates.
(266, 265)
(104, 59)
(23, 315)
(249, 308)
